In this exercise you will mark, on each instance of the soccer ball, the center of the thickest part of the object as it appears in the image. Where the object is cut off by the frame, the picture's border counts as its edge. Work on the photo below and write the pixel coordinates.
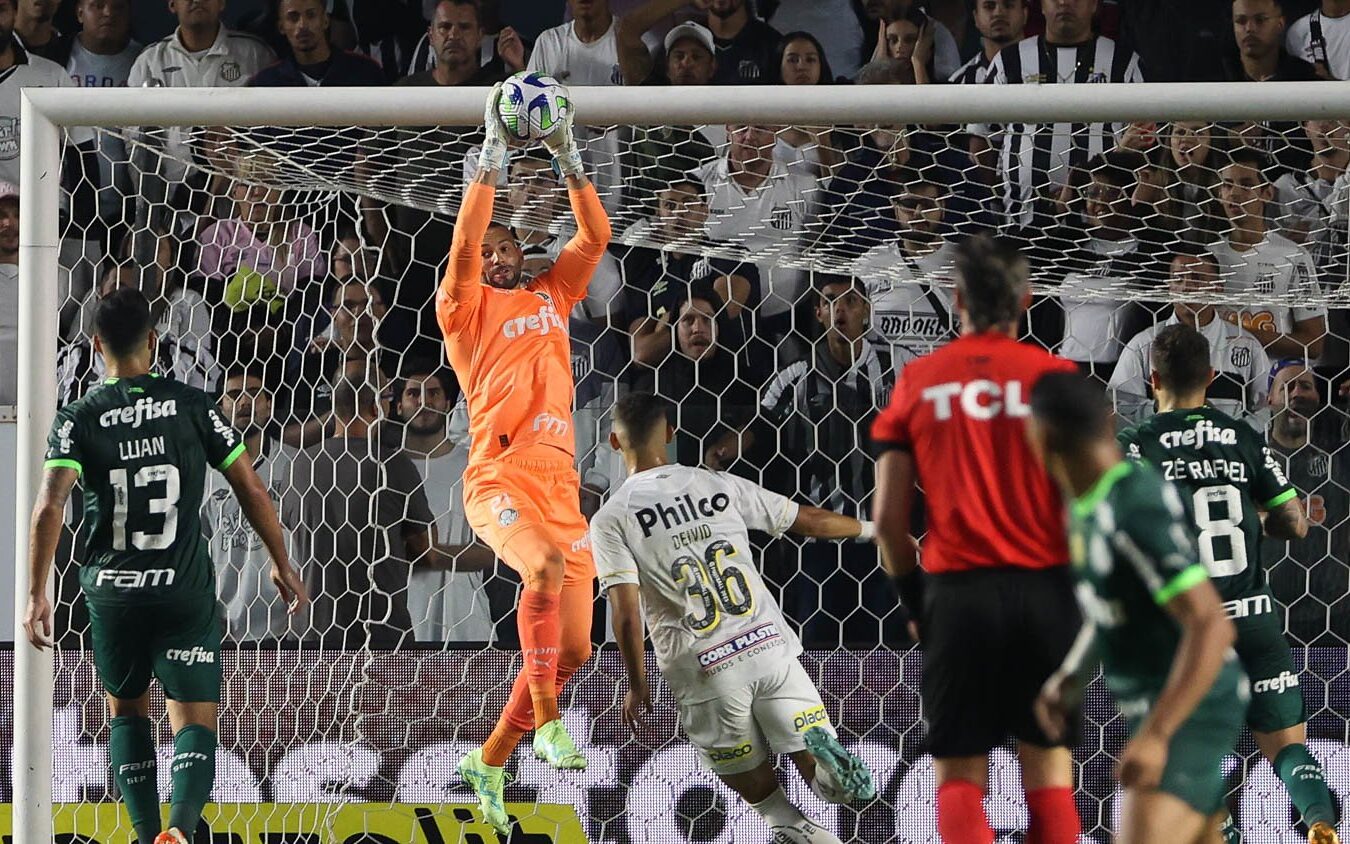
(532, 105)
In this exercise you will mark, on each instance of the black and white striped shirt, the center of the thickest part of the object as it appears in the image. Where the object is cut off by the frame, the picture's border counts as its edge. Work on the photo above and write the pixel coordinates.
(1034, 156)
(972, 72)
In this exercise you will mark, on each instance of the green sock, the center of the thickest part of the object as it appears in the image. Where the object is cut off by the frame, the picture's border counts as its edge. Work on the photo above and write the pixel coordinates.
(194, 772)
(131, 752)
(1231, 833)
(1302, 776)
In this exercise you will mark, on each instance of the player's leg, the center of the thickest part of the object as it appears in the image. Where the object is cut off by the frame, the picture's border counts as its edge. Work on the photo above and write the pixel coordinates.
(789, 713)
(1042, 632)
(1150, 816)
(1278, 718)
(122, 659)
(187, 664)
(725, 733)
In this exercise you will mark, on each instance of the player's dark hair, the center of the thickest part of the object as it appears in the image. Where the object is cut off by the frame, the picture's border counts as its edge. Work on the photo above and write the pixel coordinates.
(123, 321)
(991, 275)
(1181, 358)
(1253, 158)
(1073, 409)
(639, 413)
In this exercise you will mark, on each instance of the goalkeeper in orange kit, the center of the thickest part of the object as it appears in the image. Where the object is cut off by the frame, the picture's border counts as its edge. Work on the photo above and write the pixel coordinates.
(506, 338)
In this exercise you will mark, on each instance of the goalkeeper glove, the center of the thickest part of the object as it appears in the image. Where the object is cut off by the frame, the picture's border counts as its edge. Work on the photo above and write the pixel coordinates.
(563, 146)
(495, 147)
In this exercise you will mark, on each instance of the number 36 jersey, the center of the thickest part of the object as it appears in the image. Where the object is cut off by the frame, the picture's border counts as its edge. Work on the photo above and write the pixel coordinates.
(682, 535)
(143, 447)
(1226, 475)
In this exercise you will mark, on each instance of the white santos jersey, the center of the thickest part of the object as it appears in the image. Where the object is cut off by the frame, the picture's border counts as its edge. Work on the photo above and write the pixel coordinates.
(682, 535)
(1274, 267)
(912, 302)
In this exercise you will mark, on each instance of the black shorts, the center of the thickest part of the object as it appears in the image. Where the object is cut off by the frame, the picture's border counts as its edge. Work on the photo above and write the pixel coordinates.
(991, 638)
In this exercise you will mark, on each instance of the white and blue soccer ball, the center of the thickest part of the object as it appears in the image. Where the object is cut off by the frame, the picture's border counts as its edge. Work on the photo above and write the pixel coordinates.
(532, 105)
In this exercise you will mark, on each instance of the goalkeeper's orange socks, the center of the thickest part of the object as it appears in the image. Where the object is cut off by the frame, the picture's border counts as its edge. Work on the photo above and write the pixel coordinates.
(194, 772)
(131, 750)
(960, 811)
(1054, 816)
(502, 743)
(540, 623)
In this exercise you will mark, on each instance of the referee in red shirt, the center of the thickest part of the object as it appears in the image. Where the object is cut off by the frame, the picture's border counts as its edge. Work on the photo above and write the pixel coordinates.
(997, 612)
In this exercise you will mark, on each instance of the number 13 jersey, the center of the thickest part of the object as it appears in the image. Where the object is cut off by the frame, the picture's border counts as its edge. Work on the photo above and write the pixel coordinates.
(1225, 474)
(682, 536)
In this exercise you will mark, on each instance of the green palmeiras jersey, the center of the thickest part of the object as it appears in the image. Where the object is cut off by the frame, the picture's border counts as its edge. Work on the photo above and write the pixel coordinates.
(143, 446)
(1132, 553)
(1226, 476)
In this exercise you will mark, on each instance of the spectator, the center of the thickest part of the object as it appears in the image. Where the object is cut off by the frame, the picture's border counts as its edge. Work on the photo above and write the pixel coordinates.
(19, 69)
(446, 604)
(182, 358)
(360, 519)
(1239, 361)
(1001, 23)
(761, 204)
(745, 44)
(201, 53)
(657, 280)
(1304, 198)
(586, 52)
(9, 293)
(1098, 259)
(1196, 149)
(1256, 262)
(252, 608)
(102, 53)
(1178, 42)
(388, 32)
(706, 383)
(835, 23)
(908, 280)
(690, 56)
(799, 59)
(818, 412)
(456, 34)
(1309, 576)
(598, 359)
(1322, 38)
(36, 29)
(258, 254)
(356, 309)
(1068, 54)
(1259, 32)
(313, 61)
(909, 38)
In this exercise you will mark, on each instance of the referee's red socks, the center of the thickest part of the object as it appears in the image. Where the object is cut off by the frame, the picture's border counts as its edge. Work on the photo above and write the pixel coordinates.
(961, 818)
(1054, 816)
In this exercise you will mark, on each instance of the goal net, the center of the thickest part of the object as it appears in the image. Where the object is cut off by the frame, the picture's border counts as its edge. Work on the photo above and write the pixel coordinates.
(776, 260)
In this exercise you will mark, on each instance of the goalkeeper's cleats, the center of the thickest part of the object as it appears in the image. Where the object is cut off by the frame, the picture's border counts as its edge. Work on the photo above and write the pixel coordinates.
(554, 746)
(487, 781)
(845, 769)
(1323, 833)
(173, 836)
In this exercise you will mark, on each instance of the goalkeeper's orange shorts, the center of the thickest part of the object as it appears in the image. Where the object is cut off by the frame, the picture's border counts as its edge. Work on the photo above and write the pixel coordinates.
(505, 496)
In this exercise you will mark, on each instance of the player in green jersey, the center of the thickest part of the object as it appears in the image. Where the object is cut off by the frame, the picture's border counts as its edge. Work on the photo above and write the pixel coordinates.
(143, 445)
(1233, 486)
(1150, 613)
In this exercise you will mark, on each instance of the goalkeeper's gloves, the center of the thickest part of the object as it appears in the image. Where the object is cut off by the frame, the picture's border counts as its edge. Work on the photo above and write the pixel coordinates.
(495, 146)
(560, 142)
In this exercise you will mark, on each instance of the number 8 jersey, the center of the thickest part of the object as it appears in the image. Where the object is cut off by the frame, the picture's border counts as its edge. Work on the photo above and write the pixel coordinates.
(143, 447)
(1226, 475)
(682, 536)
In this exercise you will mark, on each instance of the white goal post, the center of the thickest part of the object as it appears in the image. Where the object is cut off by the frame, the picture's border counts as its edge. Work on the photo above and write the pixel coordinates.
(46, 112)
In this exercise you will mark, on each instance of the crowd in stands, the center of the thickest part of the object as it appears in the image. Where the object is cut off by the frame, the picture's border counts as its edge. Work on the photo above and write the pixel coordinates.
(311, 318)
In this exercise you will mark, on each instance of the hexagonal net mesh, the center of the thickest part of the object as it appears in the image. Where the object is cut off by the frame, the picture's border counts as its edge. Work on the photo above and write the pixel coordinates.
(293, 271)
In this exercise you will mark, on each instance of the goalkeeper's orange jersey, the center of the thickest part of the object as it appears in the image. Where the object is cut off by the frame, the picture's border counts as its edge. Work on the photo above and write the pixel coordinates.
(510, 348)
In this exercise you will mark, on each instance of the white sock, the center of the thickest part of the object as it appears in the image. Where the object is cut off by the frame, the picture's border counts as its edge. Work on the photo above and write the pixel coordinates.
(804, 832)
(826, 788)
(778, 810)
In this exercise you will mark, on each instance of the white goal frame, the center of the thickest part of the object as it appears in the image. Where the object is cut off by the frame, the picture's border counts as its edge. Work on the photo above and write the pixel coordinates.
(46, 111)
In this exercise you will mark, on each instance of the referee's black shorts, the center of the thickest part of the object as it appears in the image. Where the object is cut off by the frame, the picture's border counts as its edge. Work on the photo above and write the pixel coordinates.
(991, 638)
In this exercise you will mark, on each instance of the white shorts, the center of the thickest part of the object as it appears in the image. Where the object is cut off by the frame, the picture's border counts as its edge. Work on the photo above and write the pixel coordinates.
(734, 733)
